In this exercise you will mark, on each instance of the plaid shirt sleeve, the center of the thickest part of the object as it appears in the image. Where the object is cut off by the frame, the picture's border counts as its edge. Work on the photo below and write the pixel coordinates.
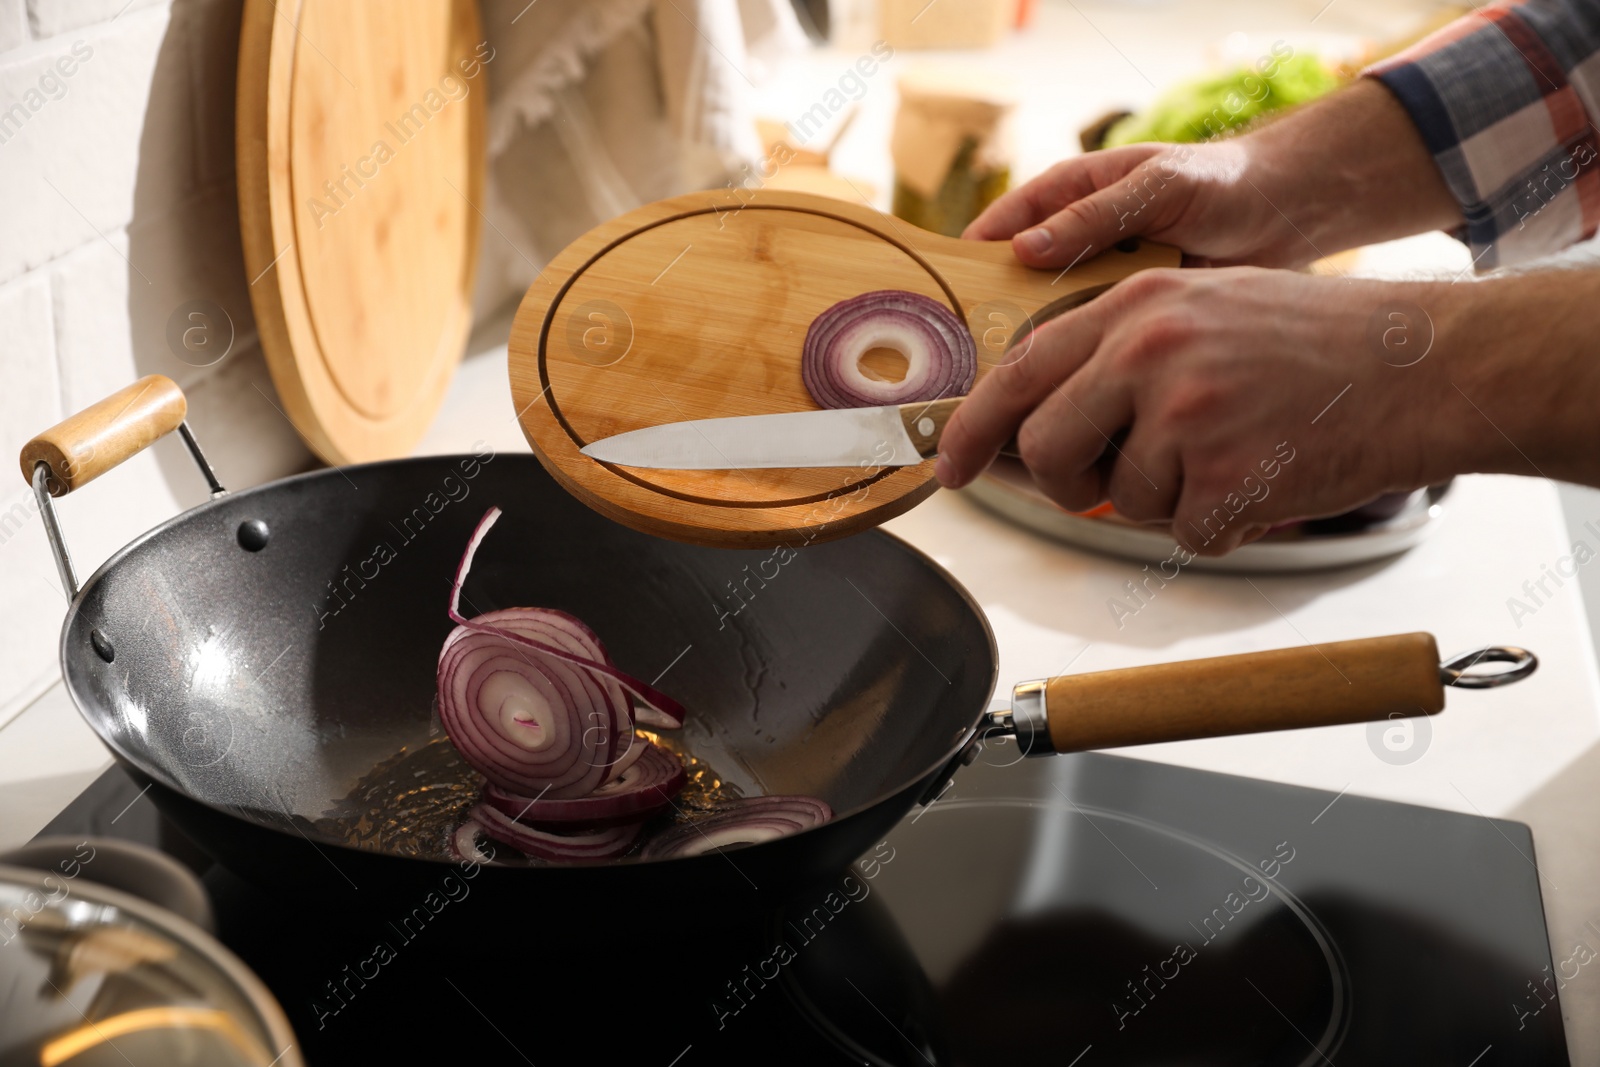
(1507, 100)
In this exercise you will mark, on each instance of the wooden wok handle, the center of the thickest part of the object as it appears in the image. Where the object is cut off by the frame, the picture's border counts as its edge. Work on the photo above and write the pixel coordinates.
(1349, 681)
(84, 446)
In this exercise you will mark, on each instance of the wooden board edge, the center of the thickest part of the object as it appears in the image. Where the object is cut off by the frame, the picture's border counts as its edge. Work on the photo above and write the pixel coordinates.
(267, 50)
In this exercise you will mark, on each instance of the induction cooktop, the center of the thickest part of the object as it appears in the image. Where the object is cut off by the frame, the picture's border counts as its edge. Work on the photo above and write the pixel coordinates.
(1078, 911)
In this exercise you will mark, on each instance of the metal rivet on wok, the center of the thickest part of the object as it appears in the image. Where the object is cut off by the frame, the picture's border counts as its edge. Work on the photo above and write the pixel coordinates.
(253, 535)
(102, 646)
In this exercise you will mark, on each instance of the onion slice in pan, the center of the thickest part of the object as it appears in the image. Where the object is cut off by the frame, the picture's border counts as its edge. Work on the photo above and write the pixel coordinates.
(646, 787)
(532, 701)
(746, 822)
(602, 844)
(528, 722)
(941, 357)
(609, 710)
(652, 698)
(464, 844)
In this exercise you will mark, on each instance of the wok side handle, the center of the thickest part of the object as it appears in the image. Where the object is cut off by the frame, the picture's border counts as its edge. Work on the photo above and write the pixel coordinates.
(84, 446)
(1318, 685)
(80, 448)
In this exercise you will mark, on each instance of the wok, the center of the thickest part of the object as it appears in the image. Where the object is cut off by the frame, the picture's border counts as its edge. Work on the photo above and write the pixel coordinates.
(256, 656)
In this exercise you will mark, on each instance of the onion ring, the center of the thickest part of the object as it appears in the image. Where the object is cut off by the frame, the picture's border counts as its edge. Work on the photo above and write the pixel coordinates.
(750, 821)
(528, 722)
(646, 787)
(653, 698)
(532, 701)
(941, 357)
(602, 844)
(464, 844)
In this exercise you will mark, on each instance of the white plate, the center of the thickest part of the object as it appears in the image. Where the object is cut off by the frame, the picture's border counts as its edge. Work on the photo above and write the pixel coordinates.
(1008, 490)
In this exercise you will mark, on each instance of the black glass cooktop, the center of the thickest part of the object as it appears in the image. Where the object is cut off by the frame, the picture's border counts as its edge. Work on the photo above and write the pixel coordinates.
(1075, 911)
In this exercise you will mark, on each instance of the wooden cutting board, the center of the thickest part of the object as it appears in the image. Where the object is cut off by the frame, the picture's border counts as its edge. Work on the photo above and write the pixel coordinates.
(697, 307)
(360, 145)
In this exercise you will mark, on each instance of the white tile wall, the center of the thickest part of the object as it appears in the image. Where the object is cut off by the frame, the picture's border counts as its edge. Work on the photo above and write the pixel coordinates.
(13, 24)
(115, 135)
(30, 391)
(50, 17)
(117, 206)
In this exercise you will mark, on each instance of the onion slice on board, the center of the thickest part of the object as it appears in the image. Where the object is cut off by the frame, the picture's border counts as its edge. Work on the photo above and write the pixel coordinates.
(941, 357)
(603, 844)
(647, 786)
(750, 821)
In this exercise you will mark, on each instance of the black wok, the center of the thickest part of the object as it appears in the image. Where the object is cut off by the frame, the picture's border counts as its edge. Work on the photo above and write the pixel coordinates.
(257, 655)
(255, 685)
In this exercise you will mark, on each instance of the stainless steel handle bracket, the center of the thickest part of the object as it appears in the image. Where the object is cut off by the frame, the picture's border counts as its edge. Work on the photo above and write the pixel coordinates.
(1453, 671)
(1030, 718)
(1026, 720)
(52, 530)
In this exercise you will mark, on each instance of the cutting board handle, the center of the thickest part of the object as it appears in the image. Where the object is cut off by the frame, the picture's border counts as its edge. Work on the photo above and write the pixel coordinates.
(1317, 685)
(84, 446)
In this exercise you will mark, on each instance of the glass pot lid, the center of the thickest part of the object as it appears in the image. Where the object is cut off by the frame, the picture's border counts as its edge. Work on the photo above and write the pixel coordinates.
(93, 976)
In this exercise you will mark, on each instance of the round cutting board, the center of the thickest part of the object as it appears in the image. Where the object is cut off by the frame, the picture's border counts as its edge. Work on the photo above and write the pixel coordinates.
(697, 307)
(360, 152)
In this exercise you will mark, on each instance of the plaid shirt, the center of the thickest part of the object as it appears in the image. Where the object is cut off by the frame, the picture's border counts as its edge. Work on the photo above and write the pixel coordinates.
(1507, 99)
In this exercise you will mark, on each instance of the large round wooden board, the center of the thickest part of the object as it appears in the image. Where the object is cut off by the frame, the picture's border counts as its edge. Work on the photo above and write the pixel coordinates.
(360, 144)
(697, 307)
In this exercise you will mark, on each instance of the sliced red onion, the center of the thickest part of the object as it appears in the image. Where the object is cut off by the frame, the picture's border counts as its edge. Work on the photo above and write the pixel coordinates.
(464, 844)
(602, 844)
(941, 358)
(562, 630)
(647, 786)
(645, 715)
(532, 701)
(527, 721)
(636, 747)
(746, 822)
(653, 698)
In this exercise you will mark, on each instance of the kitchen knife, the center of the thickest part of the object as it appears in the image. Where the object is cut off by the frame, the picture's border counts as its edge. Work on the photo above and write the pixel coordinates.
(893, 436)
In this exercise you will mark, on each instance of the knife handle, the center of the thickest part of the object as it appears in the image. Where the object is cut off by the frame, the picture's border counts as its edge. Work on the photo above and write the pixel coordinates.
(925, 423)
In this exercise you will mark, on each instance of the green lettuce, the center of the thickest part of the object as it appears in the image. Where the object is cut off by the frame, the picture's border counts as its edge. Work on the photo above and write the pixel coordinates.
(1201, 108)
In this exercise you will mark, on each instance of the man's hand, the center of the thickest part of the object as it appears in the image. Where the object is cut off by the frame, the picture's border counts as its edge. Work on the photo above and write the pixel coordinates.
(1223, 402)
(1226, 401)
(1174, 394)
(1198, 197)
(1341, 172)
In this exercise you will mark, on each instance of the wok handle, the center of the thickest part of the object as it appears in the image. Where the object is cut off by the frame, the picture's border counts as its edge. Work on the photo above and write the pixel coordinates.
(84, 446)
(1318, 685)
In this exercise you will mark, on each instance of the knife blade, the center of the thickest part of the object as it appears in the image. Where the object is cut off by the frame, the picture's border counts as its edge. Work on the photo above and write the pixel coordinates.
(892, 436)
